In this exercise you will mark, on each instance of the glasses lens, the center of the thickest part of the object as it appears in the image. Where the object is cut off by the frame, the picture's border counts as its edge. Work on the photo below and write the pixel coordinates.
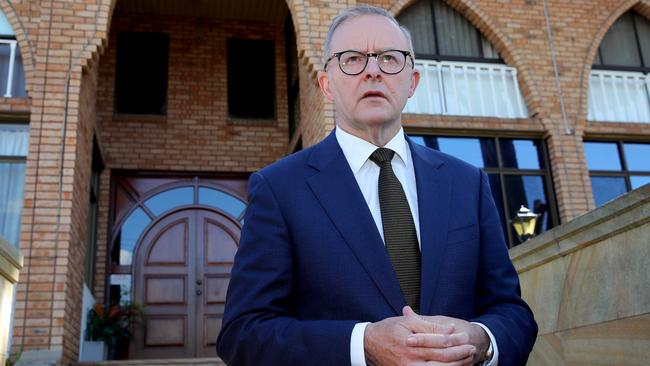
(391, 62)
(352, 62)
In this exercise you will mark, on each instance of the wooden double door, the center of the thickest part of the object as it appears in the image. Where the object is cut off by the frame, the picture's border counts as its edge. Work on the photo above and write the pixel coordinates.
(181, 270)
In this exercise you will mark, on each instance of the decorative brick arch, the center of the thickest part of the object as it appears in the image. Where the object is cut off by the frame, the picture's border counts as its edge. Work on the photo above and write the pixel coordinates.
(499, 40)
(22, 37)
(643, 8)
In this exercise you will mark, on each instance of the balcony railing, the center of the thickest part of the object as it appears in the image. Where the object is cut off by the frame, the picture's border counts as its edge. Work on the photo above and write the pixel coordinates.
(619, 96)
(467, 89)
(12, 77)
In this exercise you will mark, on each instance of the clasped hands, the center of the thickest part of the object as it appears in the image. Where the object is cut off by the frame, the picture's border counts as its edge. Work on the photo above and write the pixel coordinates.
(415, 340)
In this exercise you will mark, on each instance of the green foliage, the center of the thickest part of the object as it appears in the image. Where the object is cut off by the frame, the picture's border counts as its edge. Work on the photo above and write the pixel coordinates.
(114, 325)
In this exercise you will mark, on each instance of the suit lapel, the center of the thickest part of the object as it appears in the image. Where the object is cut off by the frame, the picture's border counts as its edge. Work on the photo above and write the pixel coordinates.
(337, 191)
(434, 197)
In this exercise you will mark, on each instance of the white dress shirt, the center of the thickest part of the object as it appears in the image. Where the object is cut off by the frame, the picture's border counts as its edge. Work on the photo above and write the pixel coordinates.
(357, 152)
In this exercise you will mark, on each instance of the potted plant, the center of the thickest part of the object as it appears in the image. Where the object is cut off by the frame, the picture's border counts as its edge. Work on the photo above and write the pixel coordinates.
(113, 326)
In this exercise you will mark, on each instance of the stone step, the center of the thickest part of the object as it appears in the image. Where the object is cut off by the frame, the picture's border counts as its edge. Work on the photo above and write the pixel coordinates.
(157, 362)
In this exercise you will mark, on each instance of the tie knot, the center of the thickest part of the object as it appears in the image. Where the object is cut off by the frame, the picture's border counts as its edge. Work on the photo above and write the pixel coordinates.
(382, 155)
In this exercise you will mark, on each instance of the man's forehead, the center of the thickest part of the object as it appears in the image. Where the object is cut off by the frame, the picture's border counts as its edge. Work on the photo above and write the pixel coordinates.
(366, 32)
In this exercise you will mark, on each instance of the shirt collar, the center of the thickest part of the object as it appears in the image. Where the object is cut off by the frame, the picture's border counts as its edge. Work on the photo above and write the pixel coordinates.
(357, 150)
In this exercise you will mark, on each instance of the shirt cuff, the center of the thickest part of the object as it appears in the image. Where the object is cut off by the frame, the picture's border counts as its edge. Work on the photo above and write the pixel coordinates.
(493, 343)
(357, 353)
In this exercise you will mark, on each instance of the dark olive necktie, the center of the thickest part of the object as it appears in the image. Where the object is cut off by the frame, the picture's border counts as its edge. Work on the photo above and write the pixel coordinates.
(399, 230)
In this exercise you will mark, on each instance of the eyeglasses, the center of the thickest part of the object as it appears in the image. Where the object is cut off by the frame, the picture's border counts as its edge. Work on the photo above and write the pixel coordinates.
(390, 62)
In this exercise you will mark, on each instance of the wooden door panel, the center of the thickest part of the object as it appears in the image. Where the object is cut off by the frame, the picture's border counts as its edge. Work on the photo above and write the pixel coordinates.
(220, 242)
(212, 325)
(216, 288)
(165, 331)
(165, 290)
(170, 245)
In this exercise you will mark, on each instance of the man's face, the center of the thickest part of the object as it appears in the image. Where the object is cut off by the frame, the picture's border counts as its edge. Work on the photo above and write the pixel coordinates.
(371, 98)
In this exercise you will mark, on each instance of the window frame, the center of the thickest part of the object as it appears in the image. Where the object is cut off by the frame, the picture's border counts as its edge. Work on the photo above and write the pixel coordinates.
(624, 172)
(15, 158)
(501, 171)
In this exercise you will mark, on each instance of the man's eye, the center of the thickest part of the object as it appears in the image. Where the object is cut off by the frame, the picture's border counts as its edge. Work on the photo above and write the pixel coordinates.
(352, 60)
(388, 59)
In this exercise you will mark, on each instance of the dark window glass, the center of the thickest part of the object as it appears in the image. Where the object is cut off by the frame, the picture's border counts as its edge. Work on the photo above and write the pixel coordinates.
(637, 157)
(607, 188)
(613, 174)
(521, 154)
(516, 170)
(602, 156)
(141, 73)
(480, 152)
(626, 44)
(619, 46)
(251, 78)
(440, 32)
(528, 190)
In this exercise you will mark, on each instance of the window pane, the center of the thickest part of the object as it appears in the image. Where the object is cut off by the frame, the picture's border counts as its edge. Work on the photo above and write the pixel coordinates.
(141, 73)
(619, 47)
(14, 140)
(169, 199)
(602, 156)
(522, 154)
(478, 152)
(129, 235)
(643, 29)
(639, 181)
(12, 181)
(5, 27)
(120, 289)
(637, 157)
(418, 20)
(607, 188)
(222, 201)
(530, 191)
(456, 35)
(245, 55)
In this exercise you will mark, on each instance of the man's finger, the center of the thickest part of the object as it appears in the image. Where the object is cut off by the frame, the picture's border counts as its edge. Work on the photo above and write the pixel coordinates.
(451, 355)
(418, 324)
(437, 340)
(467, 361)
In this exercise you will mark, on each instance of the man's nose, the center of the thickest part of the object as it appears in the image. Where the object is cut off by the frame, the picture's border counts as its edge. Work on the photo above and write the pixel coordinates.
(372, 68)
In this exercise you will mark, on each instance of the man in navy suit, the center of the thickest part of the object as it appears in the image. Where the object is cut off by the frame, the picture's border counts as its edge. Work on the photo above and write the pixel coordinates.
(319, 279)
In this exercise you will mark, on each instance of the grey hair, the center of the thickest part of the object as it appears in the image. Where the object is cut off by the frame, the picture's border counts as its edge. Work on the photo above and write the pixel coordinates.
(357, 11)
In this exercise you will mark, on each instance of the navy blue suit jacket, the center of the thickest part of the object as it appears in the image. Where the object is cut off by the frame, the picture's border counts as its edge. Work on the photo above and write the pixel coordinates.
(311, 262)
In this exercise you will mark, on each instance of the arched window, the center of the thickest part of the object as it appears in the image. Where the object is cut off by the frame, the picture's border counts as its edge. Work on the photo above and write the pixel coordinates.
(619, 82)
(461, 73)
(12, 74)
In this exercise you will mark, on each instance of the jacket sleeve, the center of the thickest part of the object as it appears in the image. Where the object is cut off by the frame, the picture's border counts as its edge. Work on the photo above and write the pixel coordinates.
(498, 295)
(259, 326)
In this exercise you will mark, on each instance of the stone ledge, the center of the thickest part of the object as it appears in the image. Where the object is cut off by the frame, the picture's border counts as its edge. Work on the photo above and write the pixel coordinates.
(622, 214)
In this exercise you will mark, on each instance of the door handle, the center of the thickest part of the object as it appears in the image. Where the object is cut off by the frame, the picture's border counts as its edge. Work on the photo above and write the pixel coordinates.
(199, 292)
(199, 282)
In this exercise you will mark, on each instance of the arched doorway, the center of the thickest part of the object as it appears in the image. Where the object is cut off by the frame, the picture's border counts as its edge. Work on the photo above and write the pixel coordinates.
(172, 253)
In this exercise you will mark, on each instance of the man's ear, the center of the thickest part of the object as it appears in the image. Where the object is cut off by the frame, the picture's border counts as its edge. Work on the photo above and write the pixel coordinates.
(324, 83)
(415, 80)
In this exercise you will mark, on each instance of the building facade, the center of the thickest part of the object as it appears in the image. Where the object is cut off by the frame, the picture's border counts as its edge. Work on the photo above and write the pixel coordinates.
(128, 130)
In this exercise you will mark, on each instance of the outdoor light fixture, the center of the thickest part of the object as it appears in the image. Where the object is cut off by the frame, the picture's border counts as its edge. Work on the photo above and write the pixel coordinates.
(524, 223)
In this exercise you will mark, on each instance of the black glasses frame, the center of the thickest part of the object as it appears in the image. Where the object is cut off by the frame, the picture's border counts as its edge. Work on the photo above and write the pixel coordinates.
(337, 55)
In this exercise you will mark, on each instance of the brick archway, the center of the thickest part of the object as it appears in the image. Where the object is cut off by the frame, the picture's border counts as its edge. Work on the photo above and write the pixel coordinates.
(499, 40)
(643, 8)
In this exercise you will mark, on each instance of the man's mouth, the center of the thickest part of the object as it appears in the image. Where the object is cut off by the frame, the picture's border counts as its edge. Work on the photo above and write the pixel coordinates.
(373, 94)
